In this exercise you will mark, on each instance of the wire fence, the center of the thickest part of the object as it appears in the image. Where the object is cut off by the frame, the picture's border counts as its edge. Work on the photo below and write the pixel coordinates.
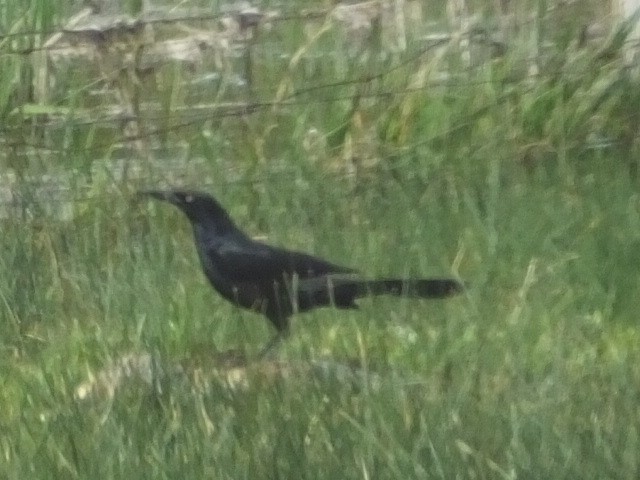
(217, 112)
(94, 32)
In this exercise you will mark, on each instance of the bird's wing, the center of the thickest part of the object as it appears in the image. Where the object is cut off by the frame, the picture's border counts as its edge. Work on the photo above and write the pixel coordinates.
(256, 261)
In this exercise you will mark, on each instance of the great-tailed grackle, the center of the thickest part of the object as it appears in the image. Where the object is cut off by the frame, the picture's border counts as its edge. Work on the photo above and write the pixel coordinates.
(278, 282)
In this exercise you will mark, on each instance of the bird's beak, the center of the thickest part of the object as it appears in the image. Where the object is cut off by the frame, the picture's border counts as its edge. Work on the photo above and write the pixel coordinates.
(158, 195)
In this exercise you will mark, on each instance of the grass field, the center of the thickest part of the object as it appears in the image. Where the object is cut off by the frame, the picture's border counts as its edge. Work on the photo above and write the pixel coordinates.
(526, 187)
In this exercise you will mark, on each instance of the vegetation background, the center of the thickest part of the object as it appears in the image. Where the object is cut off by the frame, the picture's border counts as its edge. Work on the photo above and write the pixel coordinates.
(493, 141)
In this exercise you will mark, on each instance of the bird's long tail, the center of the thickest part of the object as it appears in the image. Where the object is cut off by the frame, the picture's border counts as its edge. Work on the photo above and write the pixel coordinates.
(342, 290)
(415, 288)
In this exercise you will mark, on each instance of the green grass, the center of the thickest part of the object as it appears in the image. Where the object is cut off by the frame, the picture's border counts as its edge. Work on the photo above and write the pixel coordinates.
(499, 179)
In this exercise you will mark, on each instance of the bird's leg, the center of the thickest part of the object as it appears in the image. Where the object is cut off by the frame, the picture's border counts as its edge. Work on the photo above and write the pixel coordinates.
(272, 346)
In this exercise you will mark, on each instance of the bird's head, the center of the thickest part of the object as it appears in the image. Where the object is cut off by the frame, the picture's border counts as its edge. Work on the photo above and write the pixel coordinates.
(197, 206)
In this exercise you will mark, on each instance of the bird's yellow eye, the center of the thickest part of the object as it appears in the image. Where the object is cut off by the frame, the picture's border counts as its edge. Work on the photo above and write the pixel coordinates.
(188, 198)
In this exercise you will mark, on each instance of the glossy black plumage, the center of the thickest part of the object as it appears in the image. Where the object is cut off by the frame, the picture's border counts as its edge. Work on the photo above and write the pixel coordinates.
(278, 282)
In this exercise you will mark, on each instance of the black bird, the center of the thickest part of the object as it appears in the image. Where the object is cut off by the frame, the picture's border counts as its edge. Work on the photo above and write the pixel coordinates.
(278, 282)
